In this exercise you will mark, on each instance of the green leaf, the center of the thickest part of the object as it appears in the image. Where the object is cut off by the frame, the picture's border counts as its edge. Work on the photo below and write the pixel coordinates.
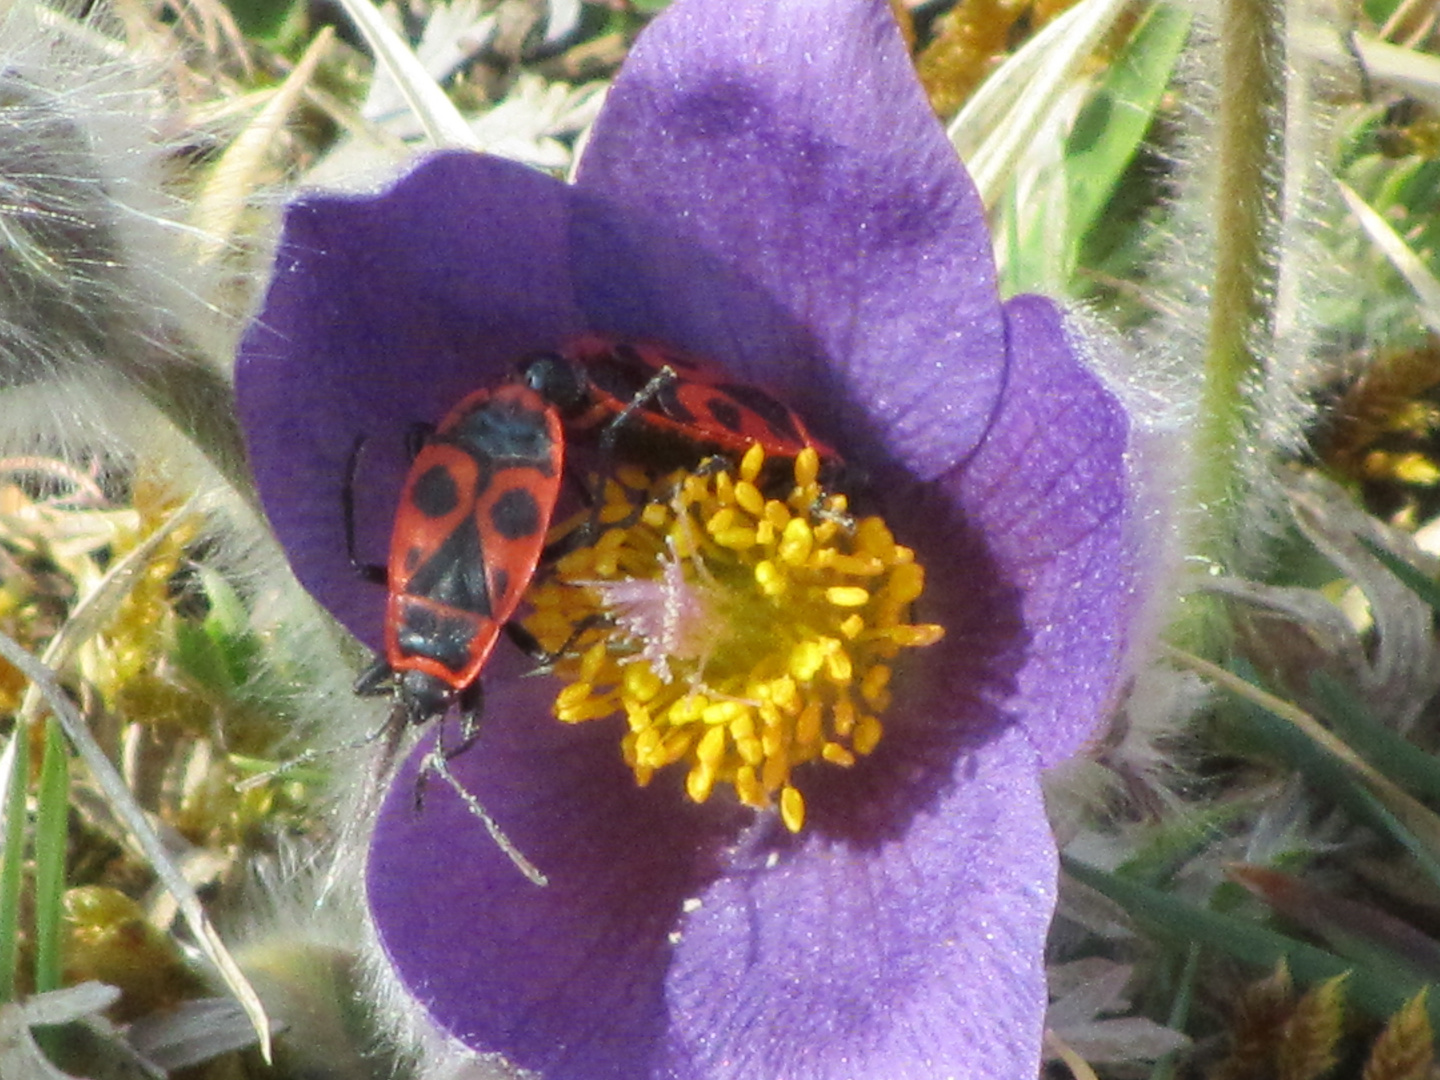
(1113, 123)
(1336, 779)
(52, 817)
(1379, 993)
(1414, 769)
(263, 19)
(220, 654)
(1416, 580)
(12, 877)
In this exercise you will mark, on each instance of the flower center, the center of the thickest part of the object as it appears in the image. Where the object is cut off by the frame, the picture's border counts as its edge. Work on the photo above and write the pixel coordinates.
(739, 634)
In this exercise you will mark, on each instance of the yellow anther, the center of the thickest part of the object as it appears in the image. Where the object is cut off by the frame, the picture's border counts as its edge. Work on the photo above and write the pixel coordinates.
(699, 783)
(867, 735)
(917, 636)
(548, 622)
(792, 809)
(749, 499)
(907, 582)
(647, 743)
(836, 754)
(852, 626)
(807, 726)
(611, 514)
(859, 565)
(769, 578)
(806, 660)
(641, 683)
(751, 750)
(796, 542)
(676, 745)
(638, 718)
(711, 747)
(689, 709)
(784, 693)
(736, 539)
(838, 665)
(747, 787)
(633, 477)
(752, 463)
(724, 488)
(873, 684)
(721, 520)
(572, 695)
(593, 662)
(807, 467)
(849, 596)
(774, 773)
(723, 712)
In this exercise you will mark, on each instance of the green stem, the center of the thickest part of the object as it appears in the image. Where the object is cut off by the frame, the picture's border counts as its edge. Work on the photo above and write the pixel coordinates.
(51, 819)
(1246, 205)
(12, 878)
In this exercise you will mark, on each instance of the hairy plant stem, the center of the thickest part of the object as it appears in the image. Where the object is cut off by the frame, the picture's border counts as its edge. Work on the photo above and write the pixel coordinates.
(1247, 201)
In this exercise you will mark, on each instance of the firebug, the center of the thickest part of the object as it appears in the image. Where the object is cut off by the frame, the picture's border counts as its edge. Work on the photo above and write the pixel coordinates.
(471, 525)
(663, 402)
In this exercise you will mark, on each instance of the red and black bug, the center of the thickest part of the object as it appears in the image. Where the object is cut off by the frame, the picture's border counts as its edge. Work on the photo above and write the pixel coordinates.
(468, 534)
(664, 403)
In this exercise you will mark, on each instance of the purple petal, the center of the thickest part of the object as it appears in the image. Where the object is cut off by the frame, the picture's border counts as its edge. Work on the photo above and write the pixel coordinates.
(789, 143)
(659, 950)
(1048, 490)
(910, 960)
(384, 311)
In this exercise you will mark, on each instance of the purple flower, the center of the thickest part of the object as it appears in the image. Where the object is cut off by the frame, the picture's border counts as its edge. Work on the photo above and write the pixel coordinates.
(767, 187)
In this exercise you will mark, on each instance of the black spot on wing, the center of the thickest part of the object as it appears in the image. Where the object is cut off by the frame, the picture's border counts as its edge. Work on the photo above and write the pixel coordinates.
(778, 418)
(515, 514)
(435, 493)
(618, 373)
(725, 413)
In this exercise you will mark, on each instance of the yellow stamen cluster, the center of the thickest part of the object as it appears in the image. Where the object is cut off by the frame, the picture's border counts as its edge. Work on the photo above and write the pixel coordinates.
(741, 634)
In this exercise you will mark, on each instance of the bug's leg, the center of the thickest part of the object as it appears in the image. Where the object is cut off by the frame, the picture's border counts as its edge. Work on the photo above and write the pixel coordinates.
(372, 682)
(544, 659)
(470, 700)
(657, 385)
(472, 703)
(371, 572)
(415, 436)
(659, 382)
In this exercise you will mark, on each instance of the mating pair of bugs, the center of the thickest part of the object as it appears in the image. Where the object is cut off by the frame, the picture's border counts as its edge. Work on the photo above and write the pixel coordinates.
(477, 503)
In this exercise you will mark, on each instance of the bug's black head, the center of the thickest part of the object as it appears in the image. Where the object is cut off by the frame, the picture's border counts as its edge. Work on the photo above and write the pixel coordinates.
(424, 697)
(556, 379)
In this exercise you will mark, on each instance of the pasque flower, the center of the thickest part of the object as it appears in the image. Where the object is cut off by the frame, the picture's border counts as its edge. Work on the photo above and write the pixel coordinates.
(766, 187)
